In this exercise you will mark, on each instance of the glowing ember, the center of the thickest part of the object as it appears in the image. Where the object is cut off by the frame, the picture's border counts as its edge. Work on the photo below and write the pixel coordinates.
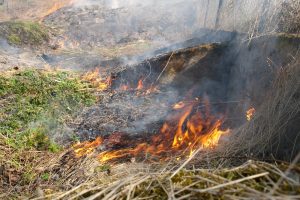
(250, 113)
(182, 134)
(85, 148)
(97, 81)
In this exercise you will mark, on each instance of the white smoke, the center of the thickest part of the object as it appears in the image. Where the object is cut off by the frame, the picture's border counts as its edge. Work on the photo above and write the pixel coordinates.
(231, 15)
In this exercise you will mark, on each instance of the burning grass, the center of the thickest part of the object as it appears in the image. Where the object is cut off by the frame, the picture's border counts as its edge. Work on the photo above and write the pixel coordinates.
(179, 161)
(186, 130)
(204, 174)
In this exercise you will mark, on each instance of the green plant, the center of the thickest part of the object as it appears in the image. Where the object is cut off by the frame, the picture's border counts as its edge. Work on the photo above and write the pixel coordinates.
(45, 176)
(14, 39)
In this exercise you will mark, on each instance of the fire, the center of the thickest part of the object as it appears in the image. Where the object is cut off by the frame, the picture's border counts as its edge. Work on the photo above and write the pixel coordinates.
(106, 156)
(54, 8)
(58, 5)
(85, 148)
(250, 113)
(97, 81)
(140, 85)
(140, 88)
(92, 75)
(184, 132)
(188, 127)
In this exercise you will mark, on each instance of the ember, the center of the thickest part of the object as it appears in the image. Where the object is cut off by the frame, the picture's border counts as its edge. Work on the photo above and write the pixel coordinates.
(250, 113)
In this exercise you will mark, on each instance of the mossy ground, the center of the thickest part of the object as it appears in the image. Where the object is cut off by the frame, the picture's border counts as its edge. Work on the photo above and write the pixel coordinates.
(25, 33)
(34, 105)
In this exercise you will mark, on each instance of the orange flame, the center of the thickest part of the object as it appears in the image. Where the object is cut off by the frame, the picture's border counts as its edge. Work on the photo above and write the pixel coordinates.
(184, 132)
(97, 81)
(140, 85)
(58, 5)
(86, 148)
(250, 113)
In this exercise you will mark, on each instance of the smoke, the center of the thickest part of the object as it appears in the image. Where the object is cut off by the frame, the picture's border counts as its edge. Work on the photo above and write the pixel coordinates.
(190, 15)
(112, 22)
(114, 4)
(132, 27)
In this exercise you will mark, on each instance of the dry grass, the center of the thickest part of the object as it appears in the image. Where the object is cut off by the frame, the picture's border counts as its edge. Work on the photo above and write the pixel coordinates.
(275, 129)
(252, 180)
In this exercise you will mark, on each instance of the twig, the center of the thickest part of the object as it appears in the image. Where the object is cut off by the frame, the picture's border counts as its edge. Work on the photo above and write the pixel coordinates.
(165, 67)
(69, 192)
(230, 183)
(185, 163)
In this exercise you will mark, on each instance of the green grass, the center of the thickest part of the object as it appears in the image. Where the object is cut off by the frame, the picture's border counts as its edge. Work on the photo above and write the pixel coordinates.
(14, 39)
(25, 33)
(34, 103)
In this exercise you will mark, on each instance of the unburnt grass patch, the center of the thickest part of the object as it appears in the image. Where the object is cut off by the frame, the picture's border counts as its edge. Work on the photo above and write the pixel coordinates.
(24, 33)
(35, 104)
